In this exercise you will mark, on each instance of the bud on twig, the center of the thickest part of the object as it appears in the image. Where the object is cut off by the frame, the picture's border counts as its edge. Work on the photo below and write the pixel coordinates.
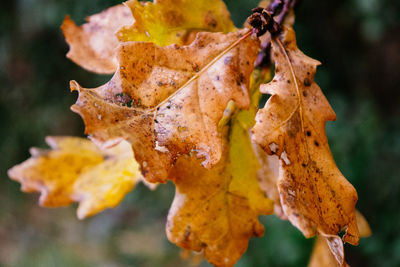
(262, 20)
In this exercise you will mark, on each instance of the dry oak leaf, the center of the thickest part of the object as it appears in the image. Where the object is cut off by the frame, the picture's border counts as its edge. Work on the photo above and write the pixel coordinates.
(216, 210)
(75, 170)
(314, 194)
(166, 22)
(167, 101)
(93, 44)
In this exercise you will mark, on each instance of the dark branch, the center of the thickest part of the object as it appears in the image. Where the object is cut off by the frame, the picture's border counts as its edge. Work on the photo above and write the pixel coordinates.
(270, 20)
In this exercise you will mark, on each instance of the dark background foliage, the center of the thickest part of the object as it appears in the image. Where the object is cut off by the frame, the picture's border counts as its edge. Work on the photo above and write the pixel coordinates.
(358, 43)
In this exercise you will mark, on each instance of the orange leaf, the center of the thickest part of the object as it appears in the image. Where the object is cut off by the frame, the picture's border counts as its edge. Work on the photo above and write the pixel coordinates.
(167, 101)
(210, 213)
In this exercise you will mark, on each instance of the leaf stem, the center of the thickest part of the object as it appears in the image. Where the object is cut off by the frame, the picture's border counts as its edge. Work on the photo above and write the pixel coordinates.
(263, 58)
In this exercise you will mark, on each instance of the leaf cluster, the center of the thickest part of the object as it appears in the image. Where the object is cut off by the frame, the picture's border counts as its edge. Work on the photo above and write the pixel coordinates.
(182, 105)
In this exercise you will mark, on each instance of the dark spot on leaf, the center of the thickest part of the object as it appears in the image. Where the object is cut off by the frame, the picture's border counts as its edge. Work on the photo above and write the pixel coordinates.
(316, 143)
(307, 82)
(308, 133)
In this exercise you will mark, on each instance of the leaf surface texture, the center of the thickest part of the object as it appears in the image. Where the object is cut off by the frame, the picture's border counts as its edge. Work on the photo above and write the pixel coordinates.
(314, 194)
(165, 104)
(166, 22)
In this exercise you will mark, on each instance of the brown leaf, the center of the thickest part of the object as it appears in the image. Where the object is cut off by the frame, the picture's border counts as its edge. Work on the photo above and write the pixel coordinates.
(314, 194)
(167, 101)
(76, 170)
(93, 44)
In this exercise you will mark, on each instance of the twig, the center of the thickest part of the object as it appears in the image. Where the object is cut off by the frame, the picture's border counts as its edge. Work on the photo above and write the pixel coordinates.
(270, 19)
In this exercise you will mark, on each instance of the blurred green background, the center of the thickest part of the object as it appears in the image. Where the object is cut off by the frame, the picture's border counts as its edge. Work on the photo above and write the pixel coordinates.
(358, 43)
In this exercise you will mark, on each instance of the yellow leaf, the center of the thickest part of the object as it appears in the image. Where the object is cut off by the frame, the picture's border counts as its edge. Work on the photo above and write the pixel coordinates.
(268, 176)
(166, 22)
(168, 101)
(314, 194)
(244, 166)
(215, 210)
(268, 171)
(92, 45)
(363, 225)
(322, 255)
(76, 170)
